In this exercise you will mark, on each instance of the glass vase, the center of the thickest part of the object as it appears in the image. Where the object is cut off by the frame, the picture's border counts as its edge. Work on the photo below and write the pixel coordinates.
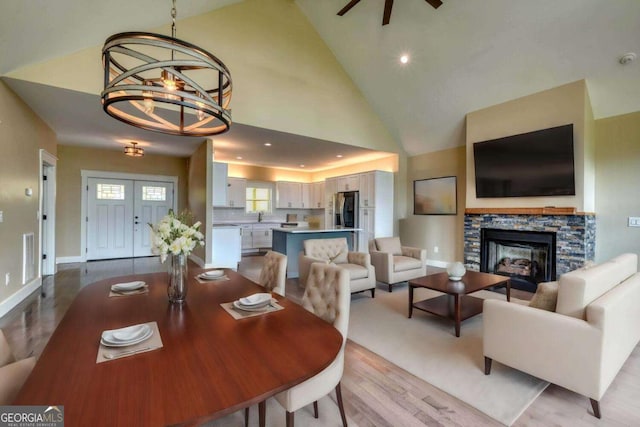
(178, 279)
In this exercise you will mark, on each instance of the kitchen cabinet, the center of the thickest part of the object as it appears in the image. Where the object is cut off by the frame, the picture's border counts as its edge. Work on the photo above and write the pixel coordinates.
(220, 184)
(247, 239)
(330, 189)
(227, 245)
(236, 192)
(348, 183)
(262, 235)
(317, 195)
(306, 196)
(376, 207)
(288, 195)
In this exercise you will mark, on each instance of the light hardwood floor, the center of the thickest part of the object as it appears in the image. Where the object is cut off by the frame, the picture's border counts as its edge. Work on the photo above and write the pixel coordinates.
(375, 392)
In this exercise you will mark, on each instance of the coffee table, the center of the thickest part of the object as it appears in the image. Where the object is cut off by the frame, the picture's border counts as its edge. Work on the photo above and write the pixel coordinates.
(456, 303)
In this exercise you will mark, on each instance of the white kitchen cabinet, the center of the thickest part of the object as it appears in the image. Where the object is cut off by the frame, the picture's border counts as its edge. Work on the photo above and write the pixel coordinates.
(376, 207)
(306, 196)
(368, 189)
(367, 223)
(348, 183)
(288, 195)
(330, 189)
(236, 192)
(262, 235)
(227, 251)
(247, 239)
(220, 184)
(317, 195)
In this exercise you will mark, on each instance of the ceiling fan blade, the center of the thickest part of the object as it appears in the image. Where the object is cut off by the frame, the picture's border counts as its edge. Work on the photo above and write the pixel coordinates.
(348, 7)
(388, 5)
(435, 3)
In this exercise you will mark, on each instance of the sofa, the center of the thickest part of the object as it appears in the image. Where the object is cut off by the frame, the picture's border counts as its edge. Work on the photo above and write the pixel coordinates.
(395, 263)
(362, 275)
(582, 343)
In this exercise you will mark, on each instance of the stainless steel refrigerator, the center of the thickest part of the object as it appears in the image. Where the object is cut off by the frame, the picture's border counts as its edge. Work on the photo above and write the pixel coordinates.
(346, 209)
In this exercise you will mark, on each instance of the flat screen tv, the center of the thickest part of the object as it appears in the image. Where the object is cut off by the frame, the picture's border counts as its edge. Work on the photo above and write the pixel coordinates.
(538, 163)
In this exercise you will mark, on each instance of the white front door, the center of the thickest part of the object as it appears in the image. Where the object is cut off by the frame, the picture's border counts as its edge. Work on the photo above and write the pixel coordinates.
(119, 212)
(109, 218)
(152, 201)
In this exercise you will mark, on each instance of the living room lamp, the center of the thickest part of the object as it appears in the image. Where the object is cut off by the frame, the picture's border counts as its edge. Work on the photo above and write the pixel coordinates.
(164, 84)
(133, 150)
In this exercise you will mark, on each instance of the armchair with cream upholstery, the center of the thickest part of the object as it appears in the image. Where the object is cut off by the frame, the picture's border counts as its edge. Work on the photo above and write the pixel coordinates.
(580, 340)
(327, 295)
(395, 263)
(362, 274)
(274, 272)
(13, 373)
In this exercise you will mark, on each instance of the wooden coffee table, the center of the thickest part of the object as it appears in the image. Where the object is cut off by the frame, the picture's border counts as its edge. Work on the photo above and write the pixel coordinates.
(456, 303)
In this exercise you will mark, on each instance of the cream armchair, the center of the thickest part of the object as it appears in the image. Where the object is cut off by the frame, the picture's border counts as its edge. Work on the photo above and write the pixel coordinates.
(395, 263)
(583, 343)
(362, 274)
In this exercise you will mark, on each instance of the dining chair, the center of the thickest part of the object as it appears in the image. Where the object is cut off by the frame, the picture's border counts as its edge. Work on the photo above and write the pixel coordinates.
(328, 296)
(274, 272)
(13, 373)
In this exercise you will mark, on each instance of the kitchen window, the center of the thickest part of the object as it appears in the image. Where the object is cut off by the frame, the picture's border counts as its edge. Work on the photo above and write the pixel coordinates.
(258, 200)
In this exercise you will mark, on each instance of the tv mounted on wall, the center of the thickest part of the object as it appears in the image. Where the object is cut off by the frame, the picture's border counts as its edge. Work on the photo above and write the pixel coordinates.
(538, 163)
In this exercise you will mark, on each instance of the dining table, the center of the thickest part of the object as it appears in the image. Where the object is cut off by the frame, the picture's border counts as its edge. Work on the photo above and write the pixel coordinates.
(210, 363)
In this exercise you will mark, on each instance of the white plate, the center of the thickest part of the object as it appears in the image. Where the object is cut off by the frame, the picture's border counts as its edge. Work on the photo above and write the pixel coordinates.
(136, 334)
(239, 306)
(129, 286)
(255, 300)
(213, 274)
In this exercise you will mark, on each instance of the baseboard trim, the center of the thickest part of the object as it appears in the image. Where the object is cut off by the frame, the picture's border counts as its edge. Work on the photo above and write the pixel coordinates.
(19, 296)
(68, 259)
(436, 263)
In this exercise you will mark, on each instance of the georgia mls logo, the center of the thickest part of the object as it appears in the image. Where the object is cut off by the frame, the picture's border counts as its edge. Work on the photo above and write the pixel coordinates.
(31, 416)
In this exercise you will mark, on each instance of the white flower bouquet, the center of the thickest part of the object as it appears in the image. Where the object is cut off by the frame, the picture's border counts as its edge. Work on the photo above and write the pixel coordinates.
(173, 236)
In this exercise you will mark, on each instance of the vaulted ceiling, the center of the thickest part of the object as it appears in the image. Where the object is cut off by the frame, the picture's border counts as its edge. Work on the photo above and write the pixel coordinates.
(463, 56)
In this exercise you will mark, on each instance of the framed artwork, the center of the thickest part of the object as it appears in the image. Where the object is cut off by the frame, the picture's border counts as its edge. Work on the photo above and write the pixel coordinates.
(435, 196)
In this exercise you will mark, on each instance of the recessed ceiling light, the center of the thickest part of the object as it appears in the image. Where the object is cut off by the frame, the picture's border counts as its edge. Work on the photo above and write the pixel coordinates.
(339, 156)
(239, 158)
(267, 144)
(301, 166)
(404, 58)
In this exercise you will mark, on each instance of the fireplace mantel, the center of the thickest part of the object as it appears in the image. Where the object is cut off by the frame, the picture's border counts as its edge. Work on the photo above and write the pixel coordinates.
(546, 210)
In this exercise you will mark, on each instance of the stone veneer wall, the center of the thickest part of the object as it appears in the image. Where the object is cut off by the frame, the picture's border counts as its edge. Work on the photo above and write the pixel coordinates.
(575, 236)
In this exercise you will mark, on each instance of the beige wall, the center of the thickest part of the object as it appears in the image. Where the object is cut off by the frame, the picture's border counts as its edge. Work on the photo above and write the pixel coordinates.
(199, 162)
(617, 190)
(554, 107)
(72, 160)
(443, 231)
(22, 135)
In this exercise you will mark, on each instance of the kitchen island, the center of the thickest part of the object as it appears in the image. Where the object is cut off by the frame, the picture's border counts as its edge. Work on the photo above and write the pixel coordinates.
(288, 241)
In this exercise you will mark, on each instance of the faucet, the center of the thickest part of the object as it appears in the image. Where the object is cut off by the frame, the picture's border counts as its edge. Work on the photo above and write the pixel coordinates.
(259, 216)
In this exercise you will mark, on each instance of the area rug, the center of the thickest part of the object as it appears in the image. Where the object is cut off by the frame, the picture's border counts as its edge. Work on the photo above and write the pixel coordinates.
(427, 347)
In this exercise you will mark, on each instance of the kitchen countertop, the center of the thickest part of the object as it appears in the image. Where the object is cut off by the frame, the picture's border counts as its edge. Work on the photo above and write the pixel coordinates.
(313, 230)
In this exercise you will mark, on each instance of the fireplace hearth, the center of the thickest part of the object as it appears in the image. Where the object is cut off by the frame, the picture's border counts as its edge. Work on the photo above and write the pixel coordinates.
(528, 257)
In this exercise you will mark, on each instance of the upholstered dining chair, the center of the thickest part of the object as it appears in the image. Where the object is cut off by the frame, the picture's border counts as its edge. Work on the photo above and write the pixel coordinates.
(328, 296)
(274, 272)
(13, 373)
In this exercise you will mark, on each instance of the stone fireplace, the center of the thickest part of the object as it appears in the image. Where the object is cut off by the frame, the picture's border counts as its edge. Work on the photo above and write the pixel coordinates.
(530, 245)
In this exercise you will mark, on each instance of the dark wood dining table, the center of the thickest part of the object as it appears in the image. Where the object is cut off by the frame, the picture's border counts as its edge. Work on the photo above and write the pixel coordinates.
(210, 364)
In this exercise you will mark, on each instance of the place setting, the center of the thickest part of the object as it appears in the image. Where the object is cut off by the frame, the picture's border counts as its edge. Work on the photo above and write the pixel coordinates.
(127, 341)
(129, 288)
(212, 276)
(252, 305)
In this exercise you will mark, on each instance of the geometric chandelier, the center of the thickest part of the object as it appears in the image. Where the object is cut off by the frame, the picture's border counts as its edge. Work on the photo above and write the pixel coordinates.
(164, 84)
